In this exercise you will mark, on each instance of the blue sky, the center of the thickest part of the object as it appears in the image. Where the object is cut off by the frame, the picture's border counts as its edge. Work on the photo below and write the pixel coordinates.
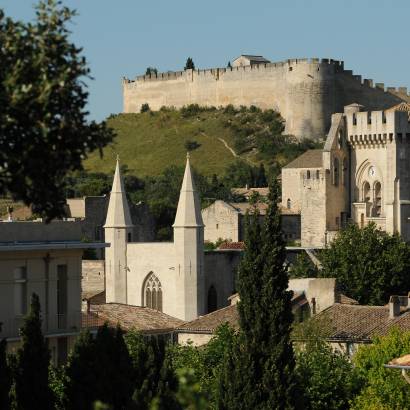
(123, 37)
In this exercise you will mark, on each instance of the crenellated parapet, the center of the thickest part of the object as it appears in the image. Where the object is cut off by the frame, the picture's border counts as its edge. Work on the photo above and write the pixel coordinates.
(306, 91)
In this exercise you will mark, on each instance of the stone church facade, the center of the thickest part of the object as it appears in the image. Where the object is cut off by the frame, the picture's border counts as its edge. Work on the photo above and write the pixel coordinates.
(177, 278)
(362, 175)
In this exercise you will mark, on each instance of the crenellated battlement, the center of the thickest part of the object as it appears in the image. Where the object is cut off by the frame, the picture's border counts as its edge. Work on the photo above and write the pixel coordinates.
(306, 91)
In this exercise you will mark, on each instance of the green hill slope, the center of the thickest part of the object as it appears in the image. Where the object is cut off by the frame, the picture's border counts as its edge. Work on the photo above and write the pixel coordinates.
(150, 142)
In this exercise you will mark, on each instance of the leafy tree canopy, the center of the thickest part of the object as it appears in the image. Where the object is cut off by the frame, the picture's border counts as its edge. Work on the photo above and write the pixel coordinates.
(44, 131)
(370, 265)
(384, 388)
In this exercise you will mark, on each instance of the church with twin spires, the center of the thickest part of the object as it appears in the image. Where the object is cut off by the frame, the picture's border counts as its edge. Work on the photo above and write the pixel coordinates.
(178, 278)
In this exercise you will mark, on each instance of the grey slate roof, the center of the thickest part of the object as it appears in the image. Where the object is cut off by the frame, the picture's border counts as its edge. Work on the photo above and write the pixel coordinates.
(309, 159)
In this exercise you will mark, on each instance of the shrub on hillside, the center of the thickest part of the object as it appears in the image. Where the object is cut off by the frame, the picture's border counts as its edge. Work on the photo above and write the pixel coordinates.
(145, 107)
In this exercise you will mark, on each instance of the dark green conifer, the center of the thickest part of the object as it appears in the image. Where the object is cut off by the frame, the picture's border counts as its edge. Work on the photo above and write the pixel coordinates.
(259, 371)
(5, 377)
(33, 358)
(261, 179)
(81, 378)
(189, 64)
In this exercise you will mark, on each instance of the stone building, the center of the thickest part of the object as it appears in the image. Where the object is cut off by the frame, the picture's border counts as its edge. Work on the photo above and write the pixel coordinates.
(306, 92)
(177, 278)
(225, 220)
(247, 59)
(44, 259)
(362, 175)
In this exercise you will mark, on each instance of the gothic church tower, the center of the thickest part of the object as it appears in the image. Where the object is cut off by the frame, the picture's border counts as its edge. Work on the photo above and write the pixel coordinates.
(189, 251)
(118, 231)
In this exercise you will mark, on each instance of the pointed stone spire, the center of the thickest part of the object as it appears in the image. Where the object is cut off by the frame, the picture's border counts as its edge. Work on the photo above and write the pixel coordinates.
(118, 214)
(189, 206)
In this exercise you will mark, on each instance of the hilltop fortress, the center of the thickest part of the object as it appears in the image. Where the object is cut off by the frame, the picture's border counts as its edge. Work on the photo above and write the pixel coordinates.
(306, 92)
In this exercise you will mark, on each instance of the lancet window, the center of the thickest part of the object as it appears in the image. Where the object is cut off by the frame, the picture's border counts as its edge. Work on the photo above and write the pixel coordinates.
(152, 292)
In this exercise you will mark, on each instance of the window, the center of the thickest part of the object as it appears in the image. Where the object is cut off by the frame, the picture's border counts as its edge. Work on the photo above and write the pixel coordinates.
(152, 292)
(212, 299)
(217, 226)
(129, 237)
(288, 203)
(344, 174)
(62, 296)
(335, 171)
(317, 174)
(337, 222)
(308, 175)
(366, 192)
(20, 290)
(377, 209)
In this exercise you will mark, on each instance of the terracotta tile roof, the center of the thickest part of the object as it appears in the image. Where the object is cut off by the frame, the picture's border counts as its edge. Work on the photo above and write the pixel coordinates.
(94, 298)
(360, 323)
(309, 159)
(140, 318)
(208, 323)
(232, 245)
(345, 300)
(286, 211)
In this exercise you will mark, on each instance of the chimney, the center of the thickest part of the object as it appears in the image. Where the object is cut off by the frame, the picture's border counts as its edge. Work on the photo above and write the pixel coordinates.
(394, 307)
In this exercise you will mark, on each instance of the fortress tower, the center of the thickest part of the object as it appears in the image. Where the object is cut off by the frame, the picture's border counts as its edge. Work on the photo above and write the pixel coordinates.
(306, 92)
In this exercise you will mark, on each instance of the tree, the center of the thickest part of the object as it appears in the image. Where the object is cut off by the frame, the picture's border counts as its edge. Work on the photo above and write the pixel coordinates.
(303, 267)
(153, 373)
(262, 361)
(326, 376)
(145, 108)
(33, 358)
(261, 180)
(189, 65)
(81, 379)
(151, 71)
(370, 265)
(44, 131)
(99, 369)
(384, 388)
(5, 377)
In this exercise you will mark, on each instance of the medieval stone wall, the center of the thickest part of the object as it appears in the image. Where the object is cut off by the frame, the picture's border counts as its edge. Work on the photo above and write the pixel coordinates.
(305, 92)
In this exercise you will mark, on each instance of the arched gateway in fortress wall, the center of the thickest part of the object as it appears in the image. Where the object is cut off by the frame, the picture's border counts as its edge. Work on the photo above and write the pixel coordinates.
(305, 91)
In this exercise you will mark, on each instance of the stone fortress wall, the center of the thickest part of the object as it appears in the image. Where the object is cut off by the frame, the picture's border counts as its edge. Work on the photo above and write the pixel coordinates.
(305, 91)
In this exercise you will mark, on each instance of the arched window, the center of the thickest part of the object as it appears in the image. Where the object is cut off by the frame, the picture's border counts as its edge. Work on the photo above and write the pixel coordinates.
(212, 299)
(345, 174)
(288, 203)
(377, 190)
(152, 292)
(335, 171)
(366, 192)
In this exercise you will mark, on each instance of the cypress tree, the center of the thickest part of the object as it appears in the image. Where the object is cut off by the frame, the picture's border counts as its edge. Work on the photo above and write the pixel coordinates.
(81, 378)
(189, 64)
(99, 369)
(261, 180)
(259, 371)
(5, 377)
(33, 359)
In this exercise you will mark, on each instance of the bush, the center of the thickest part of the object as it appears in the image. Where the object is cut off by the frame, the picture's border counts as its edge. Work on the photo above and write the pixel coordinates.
(191, 145)
(145, 108)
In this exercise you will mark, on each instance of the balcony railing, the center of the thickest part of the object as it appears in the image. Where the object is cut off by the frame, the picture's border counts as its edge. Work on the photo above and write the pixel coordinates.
(53, 324)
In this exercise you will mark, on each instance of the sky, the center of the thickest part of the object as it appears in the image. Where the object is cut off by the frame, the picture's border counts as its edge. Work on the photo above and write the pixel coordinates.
(123, 37)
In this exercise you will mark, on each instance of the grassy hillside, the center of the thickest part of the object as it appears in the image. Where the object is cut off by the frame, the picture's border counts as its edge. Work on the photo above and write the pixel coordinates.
(150, 142)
